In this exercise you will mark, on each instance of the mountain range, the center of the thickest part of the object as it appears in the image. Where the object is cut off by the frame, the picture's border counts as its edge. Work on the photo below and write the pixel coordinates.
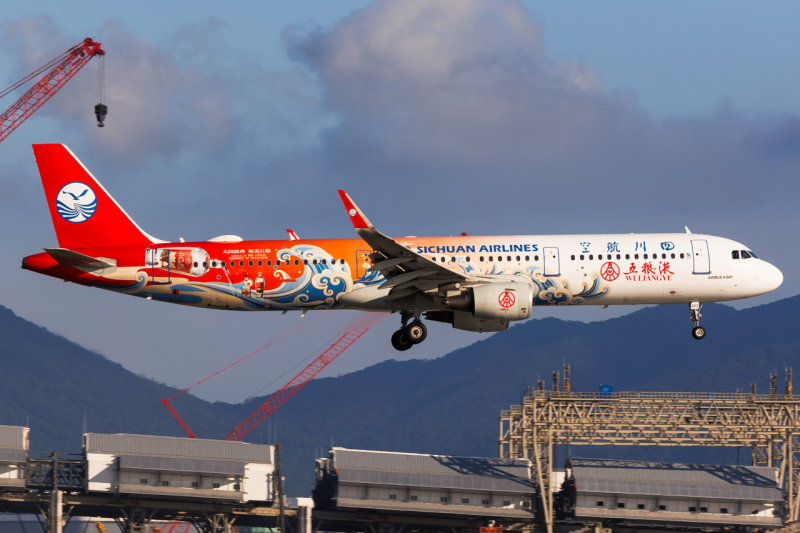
(448, 405)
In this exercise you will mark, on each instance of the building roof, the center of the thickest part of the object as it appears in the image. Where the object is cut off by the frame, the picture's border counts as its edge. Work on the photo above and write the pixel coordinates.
(675, 479)
(152, 446)
(432, 471)
(14, 437)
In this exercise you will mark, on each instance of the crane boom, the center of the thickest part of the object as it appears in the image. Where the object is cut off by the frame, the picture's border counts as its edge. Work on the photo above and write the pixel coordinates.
(67, 65)
(308, 373)
(177, 417)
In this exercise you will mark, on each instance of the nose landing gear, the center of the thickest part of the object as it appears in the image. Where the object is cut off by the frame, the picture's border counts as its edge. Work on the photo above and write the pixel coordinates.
(698, 332)
(409, 334)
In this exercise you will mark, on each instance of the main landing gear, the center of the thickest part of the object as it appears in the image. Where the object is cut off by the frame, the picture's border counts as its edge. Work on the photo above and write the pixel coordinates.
(698, 332)
(409, 334)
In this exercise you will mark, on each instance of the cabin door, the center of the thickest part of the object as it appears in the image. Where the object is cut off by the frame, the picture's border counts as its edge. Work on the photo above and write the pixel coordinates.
(702, 262)
(552, 263)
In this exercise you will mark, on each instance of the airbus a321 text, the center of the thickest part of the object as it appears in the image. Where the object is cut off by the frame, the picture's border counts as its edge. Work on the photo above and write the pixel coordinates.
(474, 283)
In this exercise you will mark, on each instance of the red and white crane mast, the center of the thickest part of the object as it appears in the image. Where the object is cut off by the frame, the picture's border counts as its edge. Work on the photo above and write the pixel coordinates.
(63, 68)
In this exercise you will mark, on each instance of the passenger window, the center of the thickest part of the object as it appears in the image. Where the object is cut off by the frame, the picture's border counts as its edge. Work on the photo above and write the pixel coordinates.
(467, 259)
(572, 257)
(341, 262)
(681, 256)
(509, 258)
(260, 263)
(627, 256)
(249, 263)
(535, 257)
(314, 261)
(324, 261)
(278, 263)
(591, 257)
(636, 256)
(581, 257)
(233, 263)
(645, 256)
(518, 258)
(481, 259)
(490, 259)
(672, 255)
(528, 258)
(241, 263)
(745, 255)
(452, 259)
(305, 261)
(735, 254)
(499, 257)
(442, 260)
(619, 257)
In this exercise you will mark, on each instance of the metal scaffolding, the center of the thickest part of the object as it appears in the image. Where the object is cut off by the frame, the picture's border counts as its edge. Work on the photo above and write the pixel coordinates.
(767, 423)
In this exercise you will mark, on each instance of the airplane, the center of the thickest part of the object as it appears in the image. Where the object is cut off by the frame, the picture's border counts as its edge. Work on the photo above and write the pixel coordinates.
(474, 283)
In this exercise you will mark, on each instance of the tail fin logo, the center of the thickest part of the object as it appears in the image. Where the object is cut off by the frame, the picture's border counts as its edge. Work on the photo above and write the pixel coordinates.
(76, 202)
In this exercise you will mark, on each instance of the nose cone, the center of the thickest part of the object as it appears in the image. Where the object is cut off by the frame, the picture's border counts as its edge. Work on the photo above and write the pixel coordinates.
(772, 276)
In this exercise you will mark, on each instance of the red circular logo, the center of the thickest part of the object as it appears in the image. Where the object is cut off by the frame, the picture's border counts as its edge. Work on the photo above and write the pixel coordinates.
(609, 271)
(506, 299)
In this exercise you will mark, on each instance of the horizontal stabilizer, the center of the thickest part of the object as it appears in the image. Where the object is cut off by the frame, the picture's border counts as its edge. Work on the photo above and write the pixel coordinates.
(83, 262)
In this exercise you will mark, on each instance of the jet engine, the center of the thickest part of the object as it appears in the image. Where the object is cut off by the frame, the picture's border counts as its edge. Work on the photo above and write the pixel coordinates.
(499, 300)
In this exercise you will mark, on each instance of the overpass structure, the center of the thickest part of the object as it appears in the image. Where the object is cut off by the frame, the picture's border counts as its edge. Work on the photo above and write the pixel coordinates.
(767, 424)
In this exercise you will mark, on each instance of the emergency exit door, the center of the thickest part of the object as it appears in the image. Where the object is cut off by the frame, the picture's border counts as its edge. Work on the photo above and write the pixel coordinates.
(363, 262)
(702, 261)
(552, 263)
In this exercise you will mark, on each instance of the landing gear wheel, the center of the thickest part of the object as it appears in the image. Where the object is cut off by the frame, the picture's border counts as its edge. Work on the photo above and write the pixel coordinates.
(699, 332)
(400, 341)
(416, 332)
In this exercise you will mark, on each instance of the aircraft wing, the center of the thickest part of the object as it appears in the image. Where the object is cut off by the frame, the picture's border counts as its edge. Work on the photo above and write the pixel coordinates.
(406, 271)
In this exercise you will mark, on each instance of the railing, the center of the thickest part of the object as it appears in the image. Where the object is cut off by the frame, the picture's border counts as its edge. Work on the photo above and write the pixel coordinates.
(741, 396)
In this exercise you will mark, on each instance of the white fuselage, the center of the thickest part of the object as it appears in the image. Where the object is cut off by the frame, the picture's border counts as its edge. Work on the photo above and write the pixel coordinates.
(612, 269)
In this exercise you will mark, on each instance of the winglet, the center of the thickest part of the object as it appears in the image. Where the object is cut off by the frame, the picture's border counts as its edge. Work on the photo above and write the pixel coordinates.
(356, 216)
(292, 235)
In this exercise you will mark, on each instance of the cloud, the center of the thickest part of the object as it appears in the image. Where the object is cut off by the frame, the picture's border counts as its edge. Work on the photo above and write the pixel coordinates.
(456, 103)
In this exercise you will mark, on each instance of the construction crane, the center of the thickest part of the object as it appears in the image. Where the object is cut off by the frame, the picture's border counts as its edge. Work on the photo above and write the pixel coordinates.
(308, 373)
(279, 398)
(62, 69)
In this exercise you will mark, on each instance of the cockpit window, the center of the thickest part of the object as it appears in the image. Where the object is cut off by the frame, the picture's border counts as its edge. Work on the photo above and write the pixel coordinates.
(752, 254)
(735, 254)
(745, 255)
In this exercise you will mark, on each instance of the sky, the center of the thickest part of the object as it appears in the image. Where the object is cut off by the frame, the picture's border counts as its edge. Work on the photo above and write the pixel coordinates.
(507, 117)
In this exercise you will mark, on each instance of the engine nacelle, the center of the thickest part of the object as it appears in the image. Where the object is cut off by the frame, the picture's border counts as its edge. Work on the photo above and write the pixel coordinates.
(467, 322)
(499, 300)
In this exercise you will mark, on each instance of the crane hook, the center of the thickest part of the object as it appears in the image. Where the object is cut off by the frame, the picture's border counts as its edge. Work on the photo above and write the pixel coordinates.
(101, 110)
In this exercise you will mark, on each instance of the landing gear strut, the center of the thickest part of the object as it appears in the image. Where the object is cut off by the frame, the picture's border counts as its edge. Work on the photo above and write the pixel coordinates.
(698, 332)
(409, 334)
